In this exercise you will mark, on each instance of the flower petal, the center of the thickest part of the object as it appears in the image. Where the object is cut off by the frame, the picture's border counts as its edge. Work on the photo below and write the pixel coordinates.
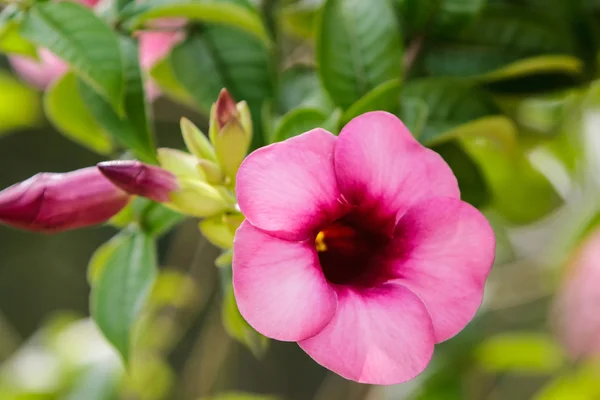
(379, 336)
(289, 189)
(380, 166)
(446, 249)
(575, 310)
(279, 286)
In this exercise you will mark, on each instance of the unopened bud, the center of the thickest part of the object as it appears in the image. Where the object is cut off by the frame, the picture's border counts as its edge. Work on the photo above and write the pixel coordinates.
(211, 171)
(230, 133)
(225, 109)
(198, 199)
(195, 141)
(180, 163)
(140, 179)
(216, 230)
(53, 202)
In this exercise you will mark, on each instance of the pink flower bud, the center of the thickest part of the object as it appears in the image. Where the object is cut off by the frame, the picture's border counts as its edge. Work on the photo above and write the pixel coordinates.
(225, 109)
(140, 179)
(50, 202)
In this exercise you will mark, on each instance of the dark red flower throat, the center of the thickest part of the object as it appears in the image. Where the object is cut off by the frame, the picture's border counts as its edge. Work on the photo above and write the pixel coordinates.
(350, 253)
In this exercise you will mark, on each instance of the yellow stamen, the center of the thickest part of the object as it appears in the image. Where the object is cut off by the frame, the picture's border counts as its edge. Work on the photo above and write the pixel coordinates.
(320, 242)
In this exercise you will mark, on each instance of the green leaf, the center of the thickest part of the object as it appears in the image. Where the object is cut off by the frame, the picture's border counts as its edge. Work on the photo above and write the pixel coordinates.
(121, 289)
(384, 97)
(438, 17)
(300, 18)
(300, 87)
(215, 11)
(157, 219)
(76, 35)
(450, 103)
(298, 121)
(414, 113)
(101, 255)
(19, 105)
(11, 41)
(520, 192)
(454, 15)
(162, 73)
(359, 46)
(222, 57)
(471, 181)
(415, 15)
(520, 352)
(65, 109)
(506, 42)
(132, 130)
(499, 129)
(536, 65)
(238, 328)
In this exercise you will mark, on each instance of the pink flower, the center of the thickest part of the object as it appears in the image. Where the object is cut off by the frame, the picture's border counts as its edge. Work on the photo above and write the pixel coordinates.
(51, 202)
(576, 307)
(359, 248)
(154, 46)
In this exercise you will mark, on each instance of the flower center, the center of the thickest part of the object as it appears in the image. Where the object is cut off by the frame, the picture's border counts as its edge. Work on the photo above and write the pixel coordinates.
(348, 253)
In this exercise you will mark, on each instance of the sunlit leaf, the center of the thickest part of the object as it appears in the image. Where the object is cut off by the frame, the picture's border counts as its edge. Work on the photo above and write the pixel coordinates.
(300, 18)
(19, 105)
(12, 42)
(580, 384)
(84, 41)
(359, 46)
(65, 109)
(162, 73)
(221, 12)
(520, 352)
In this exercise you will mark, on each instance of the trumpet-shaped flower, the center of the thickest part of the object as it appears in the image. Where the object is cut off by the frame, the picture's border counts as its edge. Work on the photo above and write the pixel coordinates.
(49, 202)
(359, 248)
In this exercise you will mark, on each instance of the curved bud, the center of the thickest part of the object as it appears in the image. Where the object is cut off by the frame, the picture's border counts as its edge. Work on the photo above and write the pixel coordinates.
(245, 118)
(230, 132)
(198, 199)
(180, 163)
(231, 146)
(140, 179)
(54, 202)
(211, 171)
(195, 141)
(217, 232)
(225, 109)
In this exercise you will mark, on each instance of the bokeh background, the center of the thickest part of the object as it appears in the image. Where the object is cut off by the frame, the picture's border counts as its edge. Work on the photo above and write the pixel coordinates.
(505, 90)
